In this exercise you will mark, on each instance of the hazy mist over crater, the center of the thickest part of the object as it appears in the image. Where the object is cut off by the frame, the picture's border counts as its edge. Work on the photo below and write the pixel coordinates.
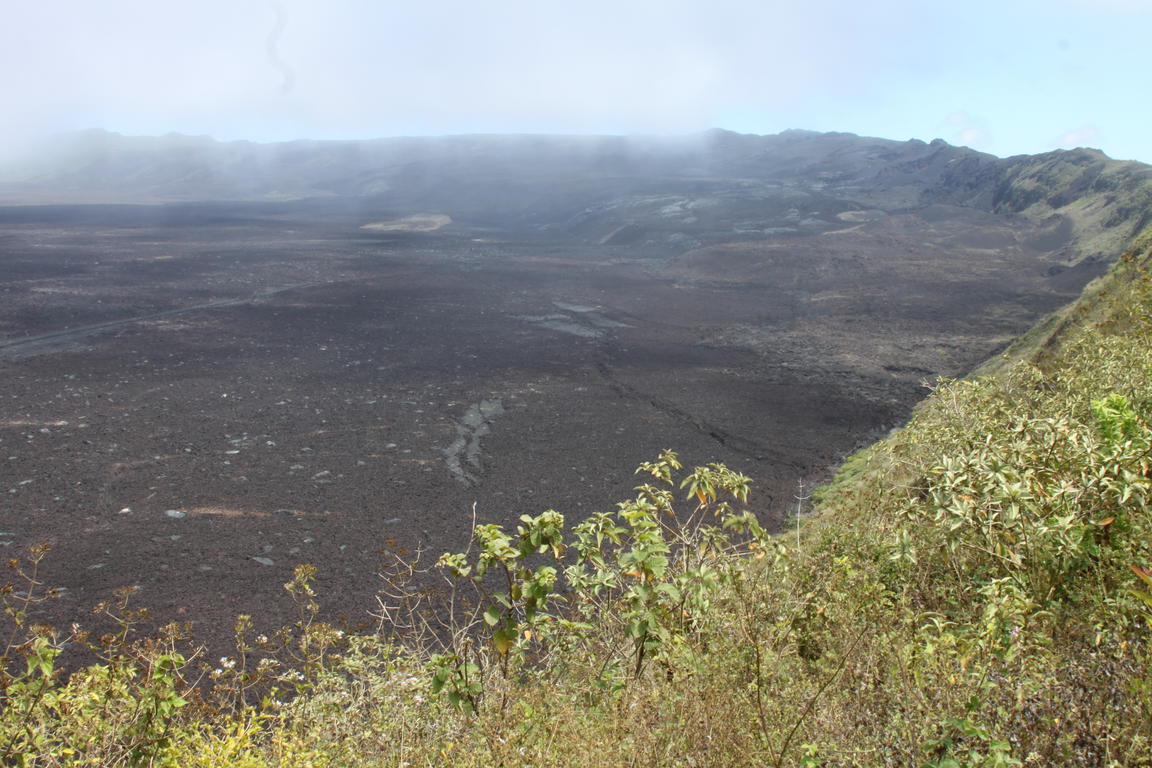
(1012, 78)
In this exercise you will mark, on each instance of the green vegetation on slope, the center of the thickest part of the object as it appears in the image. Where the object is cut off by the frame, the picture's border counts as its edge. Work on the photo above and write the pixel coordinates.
(969, 592)
(1096, 204)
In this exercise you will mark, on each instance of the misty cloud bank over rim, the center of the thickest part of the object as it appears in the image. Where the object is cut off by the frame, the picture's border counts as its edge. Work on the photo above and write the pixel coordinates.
(605, 189)
(1023, 78)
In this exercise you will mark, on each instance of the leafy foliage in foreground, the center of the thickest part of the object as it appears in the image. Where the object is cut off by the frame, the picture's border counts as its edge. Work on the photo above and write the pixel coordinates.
(975, 590)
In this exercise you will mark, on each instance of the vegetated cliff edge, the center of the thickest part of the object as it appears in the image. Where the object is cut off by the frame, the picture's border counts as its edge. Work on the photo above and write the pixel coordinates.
(1011, 516)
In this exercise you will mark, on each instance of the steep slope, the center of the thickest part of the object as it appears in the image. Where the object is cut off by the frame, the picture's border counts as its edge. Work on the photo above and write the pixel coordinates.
(1097, 203)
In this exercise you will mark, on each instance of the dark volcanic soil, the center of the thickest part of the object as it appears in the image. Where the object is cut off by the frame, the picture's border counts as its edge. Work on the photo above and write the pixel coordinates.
(194, 399)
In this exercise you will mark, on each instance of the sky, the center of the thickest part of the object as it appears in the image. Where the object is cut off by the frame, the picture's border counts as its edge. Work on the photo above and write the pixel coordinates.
(1006, 77)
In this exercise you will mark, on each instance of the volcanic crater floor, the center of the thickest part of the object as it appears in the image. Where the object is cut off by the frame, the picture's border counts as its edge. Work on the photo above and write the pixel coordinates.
(194, 404)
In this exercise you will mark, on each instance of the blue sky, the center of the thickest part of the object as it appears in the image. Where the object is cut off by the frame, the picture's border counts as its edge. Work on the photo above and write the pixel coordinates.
(1008, 77)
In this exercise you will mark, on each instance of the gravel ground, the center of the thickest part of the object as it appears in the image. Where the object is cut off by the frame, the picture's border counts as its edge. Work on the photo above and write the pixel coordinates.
(196, 403)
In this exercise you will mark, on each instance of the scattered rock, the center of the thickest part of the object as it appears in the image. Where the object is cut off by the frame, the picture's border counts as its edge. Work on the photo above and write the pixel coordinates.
(175, 514)
(264, 560)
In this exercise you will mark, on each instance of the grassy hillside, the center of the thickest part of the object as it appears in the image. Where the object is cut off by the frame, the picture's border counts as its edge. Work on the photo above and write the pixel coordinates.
(1097, 204)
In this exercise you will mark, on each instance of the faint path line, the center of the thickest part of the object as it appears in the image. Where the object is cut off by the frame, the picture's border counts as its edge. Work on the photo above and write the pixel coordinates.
(16, 346)
(736, 443)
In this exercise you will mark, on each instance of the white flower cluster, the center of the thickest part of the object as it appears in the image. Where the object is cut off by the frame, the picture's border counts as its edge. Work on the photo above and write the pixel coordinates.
(225, 663)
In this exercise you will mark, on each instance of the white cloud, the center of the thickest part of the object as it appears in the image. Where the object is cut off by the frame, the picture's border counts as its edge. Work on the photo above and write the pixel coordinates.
(968, 130)
(1086, 135)
(1126, 5)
